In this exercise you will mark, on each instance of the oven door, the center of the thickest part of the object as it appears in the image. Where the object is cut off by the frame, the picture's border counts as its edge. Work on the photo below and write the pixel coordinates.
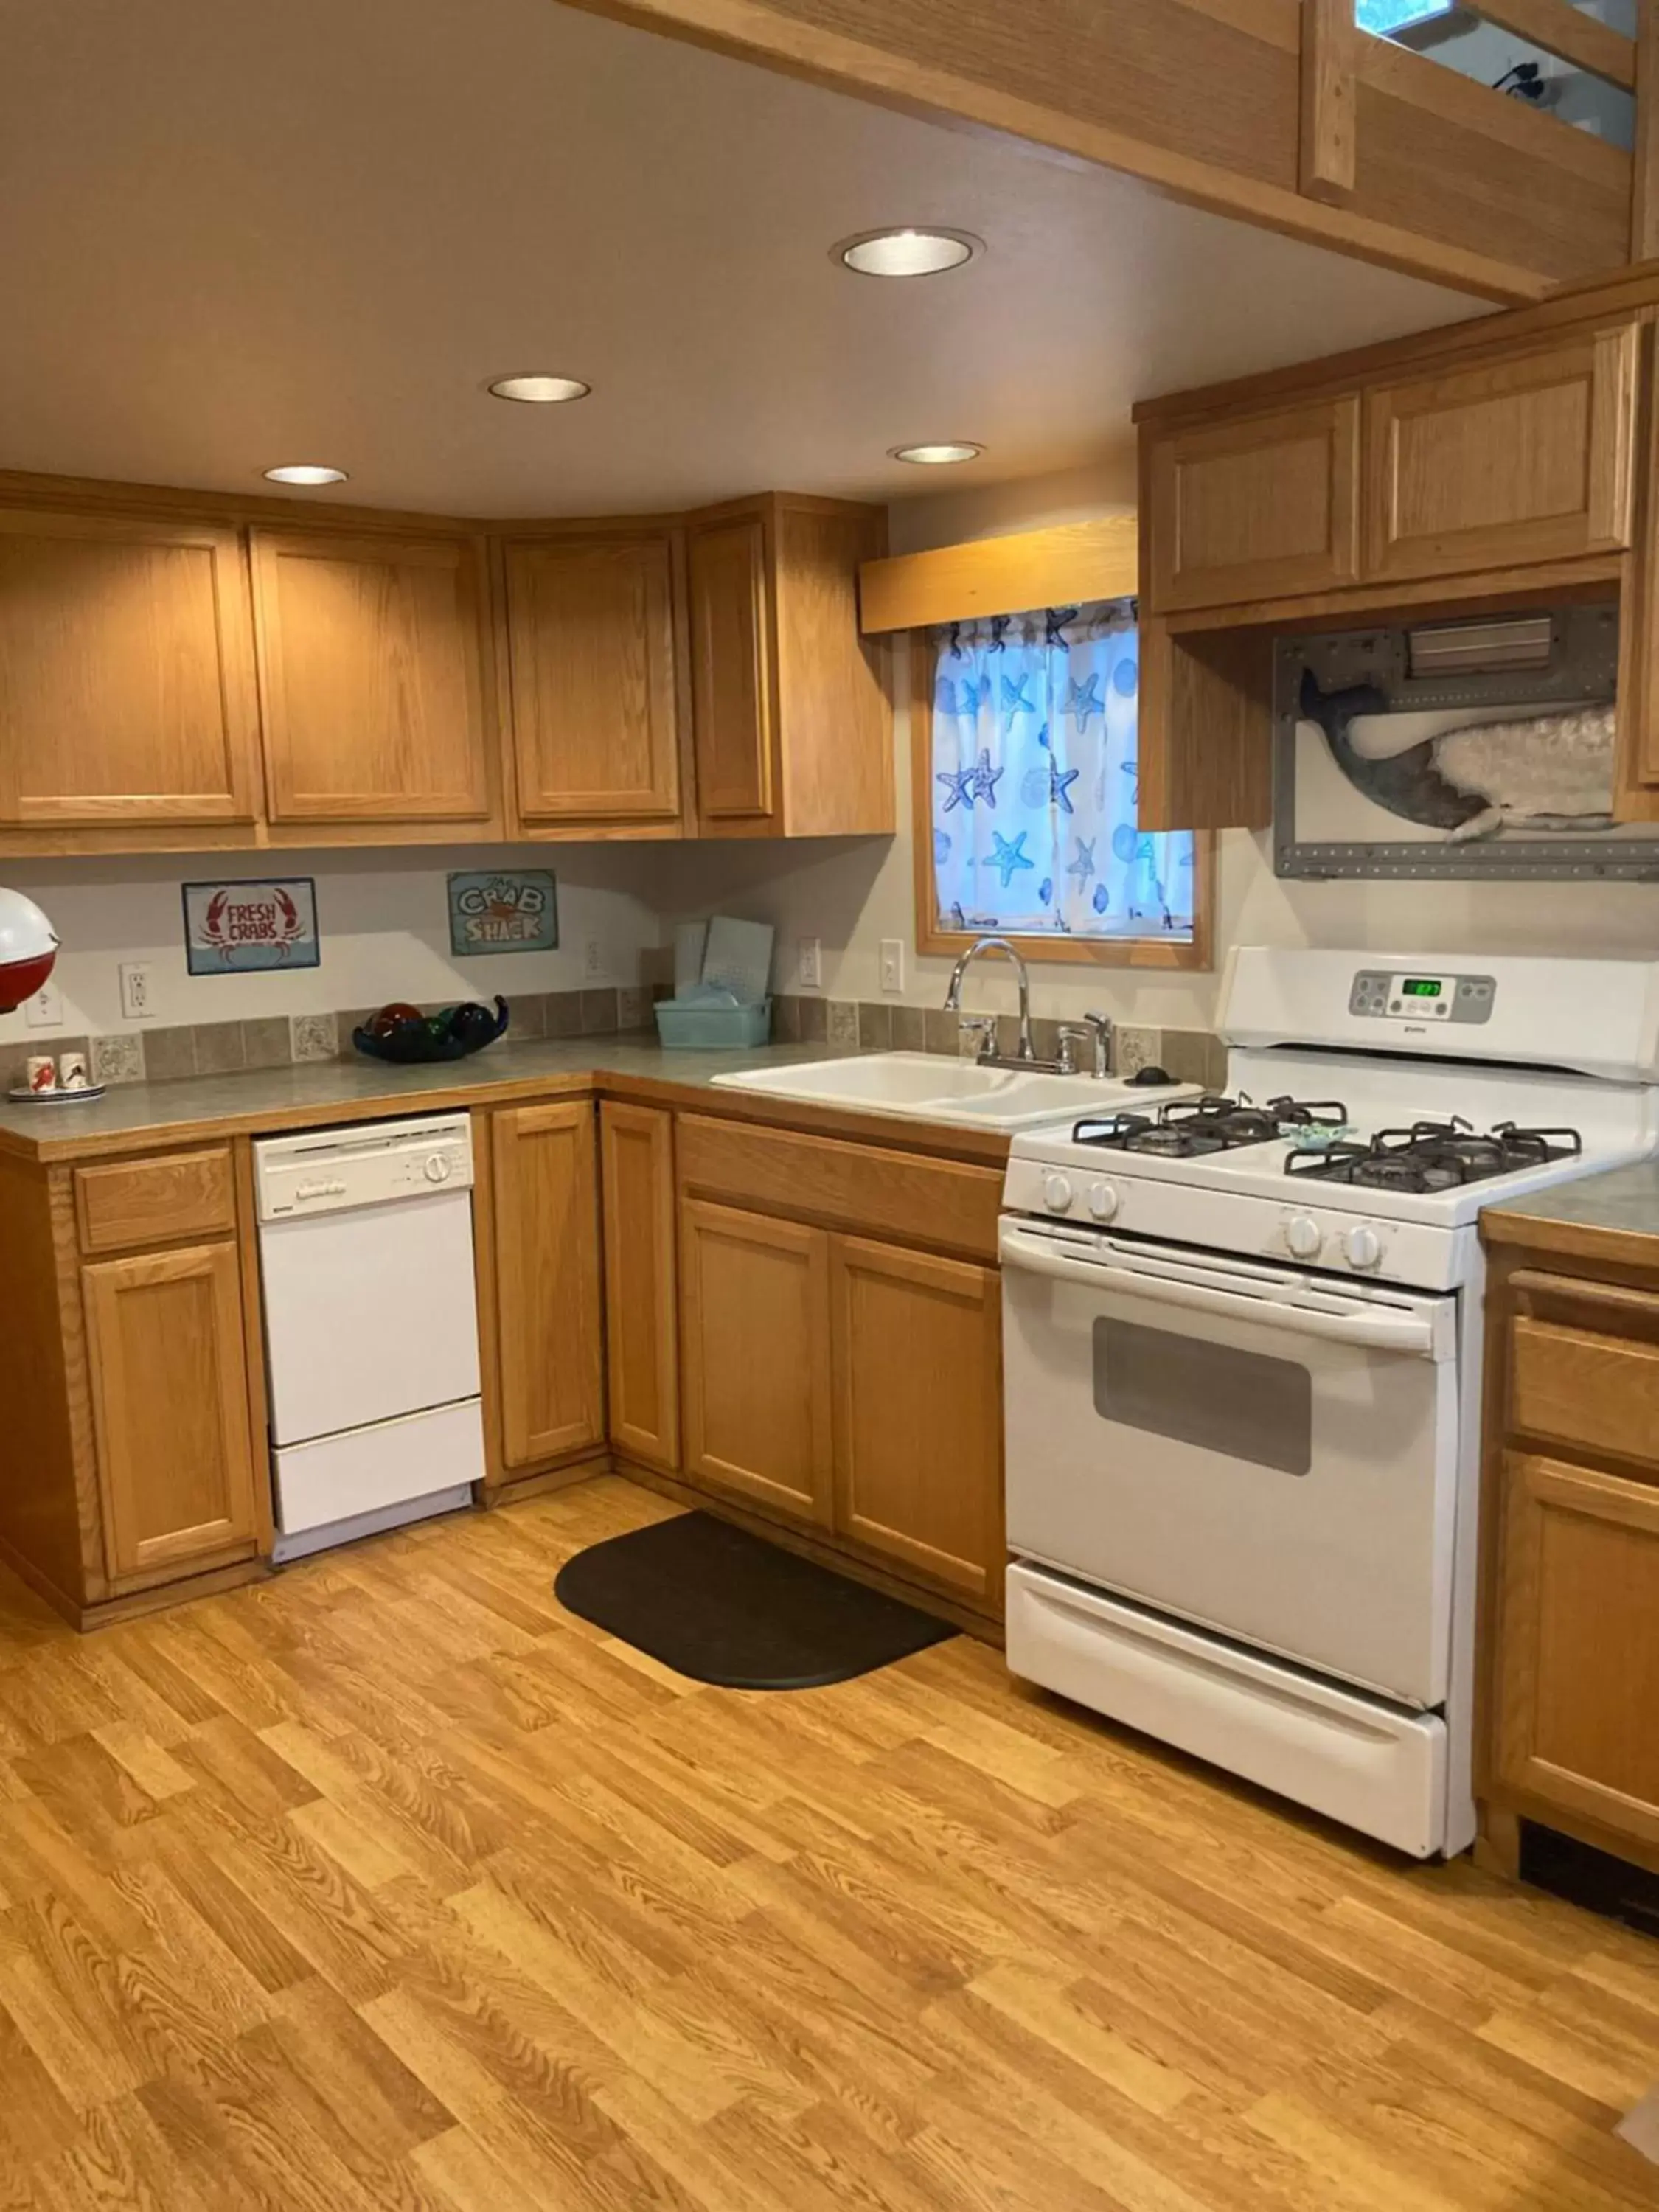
(1270, 1453)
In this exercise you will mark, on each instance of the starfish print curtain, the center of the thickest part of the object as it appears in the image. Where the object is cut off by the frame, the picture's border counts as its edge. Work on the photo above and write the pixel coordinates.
(1035, 781)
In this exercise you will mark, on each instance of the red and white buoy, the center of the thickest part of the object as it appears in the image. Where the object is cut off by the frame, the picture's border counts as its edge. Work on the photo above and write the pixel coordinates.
(28, 950)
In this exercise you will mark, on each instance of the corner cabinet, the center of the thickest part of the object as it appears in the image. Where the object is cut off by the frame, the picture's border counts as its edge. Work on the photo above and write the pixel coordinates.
(791, 715)
(592, 664)
(372, 677)
(126, 674)
(642, 1291)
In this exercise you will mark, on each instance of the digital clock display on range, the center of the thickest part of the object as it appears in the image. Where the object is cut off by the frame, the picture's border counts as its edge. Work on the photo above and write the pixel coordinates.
(1420, 987)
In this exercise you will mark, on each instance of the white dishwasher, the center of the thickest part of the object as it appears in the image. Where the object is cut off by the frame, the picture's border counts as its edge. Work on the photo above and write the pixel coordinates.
(371, 1326)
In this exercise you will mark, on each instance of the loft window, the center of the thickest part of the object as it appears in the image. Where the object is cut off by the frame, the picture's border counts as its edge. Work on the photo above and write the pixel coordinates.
(1026, 753)
(1384, 17)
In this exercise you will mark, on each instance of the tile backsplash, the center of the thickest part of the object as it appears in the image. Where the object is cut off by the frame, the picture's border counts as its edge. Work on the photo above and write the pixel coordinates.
(166, 1054)
(881, 1025)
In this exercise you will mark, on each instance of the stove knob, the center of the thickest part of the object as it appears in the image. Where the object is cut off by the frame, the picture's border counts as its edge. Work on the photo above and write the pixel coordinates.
(1057, 1192)
(1363, 1246)
(1302, 1235)
(437, 1168)
(1103, 1201)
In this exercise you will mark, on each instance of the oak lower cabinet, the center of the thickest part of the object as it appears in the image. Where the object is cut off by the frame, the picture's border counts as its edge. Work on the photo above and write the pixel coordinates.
(1578, 1632)
(127, 695)
(641, 1292)
(167, 1359)
(755, 1354)
(373, 683)
(917, 1347)
(1570, 1540)
(592, 680)
(545, 1385)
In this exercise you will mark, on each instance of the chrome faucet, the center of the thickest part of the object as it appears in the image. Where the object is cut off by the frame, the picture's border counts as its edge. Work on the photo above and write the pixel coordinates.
(1096, 1031)
(988, 1049)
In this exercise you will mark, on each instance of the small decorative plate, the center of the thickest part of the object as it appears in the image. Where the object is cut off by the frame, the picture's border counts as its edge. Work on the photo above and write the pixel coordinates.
(20, 1095)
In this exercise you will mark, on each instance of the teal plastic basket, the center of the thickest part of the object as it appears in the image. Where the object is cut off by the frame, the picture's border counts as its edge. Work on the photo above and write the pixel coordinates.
(713, 1029)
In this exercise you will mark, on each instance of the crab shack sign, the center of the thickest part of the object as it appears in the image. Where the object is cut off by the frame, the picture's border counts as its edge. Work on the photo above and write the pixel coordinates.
(232, 929)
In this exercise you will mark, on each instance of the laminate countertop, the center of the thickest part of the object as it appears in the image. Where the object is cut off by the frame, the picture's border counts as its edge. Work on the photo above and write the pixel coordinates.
(1613, 1216)
(136, 1117)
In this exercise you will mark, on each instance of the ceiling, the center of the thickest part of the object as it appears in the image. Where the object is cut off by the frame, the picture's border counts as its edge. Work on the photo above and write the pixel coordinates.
(234, 234)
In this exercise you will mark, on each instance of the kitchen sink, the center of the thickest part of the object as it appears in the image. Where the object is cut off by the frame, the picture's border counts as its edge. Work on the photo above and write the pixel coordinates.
(928, 1087)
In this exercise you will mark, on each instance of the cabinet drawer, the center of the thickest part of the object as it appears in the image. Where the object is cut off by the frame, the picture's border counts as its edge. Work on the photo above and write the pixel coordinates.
(894, 1196)
(1581, 1387)
(1528, 459)
(154, 1201)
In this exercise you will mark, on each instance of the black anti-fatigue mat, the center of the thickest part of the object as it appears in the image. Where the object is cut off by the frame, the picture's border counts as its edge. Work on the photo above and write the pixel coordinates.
(715, 1603)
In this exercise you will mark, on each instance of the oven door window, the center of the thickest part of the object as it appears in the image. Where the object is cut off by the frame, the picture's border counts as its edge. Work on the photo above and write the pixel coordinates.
(1247, 1405)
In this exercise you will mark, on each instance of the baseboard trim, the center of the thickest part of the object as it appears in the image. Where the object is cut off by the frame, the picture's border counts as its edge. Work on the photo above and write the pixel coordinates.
(539, 1481)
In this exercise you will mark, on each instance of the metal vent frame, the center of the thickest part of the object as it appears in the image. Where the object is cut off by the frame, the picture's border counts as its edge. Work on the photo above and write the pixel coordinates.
(1583, 666)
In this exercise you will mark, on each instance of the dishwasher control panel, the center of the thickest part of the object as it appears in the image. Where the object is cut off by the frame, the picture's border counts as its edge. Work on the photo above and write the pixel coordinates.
(376, 1164)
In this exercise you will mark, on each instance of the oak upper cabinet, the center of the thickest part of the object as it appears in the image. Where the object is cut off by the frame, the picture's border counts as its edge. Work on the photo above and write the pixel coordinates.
(592, 680)
(641, 1298)
(755, 1356)
(918, 1414)
(791, 713)
(126, 673)
(544, 1238)
(1253, 509)
(167, 1357)
(372, 677)
(1578, 1678)
(1499, 462)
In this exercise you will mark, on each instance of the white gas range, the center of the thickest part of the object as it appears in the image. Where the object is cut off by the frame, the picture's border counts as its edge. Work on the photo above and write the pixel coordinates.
(1242, 1363)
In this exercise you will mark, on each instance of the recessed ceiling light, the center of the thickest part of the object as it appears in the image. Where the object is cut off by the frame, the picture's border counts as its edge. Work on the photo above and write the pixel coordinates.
(539, 388)
(911, 252)
(305, 473)
(936, 457)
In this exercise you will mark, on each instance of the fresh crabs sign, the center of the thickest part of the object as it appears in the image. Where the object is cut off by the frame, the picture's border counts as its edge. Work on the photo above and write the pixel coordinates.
(232, 929)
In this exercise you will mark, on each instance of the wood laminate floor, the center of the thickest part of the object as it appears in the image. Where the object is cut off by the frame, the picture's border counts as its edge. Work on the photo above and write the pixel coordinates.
(389, 1885)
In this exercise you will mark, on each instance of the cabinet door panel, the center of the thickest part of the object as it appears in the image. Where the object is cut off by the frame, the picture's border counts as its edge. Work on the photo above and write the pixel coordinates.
(636, 1145)
(1503, 462)
(126, 672)
(170, 1401)
(591, 651)
(544, 1202)
(1578, 1656)
(754, 1355)
(1254, 510)
(371, 676)
(731, 671)
(918, 1367)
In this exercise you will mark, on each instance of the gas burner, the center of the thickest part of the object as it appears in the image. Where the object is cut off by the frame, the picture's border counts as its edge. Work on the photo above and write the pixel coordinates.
(1195, 1129)
(1432, 1156)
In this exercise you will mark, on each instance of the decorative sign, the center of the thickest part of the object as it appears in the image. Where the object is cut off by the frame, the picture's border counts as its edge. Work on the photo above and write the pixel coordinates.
(503, 911)
(232, 929)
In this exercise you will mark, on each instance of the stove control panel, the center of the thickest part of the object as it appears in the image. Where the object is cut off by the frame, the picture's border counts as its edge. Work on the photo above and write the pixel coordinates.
(1397, 996)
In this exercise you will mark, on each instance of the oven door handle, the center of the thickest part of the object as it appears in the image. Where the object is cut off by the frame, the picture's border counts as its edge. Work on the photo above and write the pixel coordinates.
(1421, 1334)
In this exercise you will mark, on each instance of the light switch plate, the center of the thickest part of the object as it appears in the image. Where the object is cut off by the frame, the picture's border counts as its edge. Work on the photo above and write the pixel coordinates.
(809, 964)
(892, 963)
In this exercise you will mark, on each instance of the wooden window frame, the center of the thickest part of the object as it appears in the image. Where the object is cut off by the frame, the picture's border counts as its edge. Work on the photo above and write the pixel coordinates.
(1158, 953)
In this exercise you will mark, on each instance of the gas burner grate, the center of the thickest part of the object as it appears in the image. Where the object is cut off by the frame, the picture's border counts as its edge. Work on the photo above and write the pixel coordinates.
(1434, 1155)
(1195, 1128)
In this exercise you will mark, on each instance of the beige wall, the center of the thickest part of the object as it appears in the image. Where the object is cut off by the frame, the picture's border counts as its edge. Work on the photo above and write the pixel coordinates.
(852, 895)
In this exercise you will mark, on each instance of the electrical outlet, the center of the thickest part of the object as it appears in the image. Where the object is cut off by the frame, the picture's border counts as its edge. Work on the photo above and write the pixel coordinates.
(892, 963)
(809, 964)
(44, 1010)
(137, 1003)
(594, 960)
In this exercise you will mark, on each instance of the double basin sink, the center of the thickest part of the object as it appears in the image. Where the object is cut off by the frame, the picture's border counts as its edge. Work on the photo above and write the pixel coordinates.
(927, 1087)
